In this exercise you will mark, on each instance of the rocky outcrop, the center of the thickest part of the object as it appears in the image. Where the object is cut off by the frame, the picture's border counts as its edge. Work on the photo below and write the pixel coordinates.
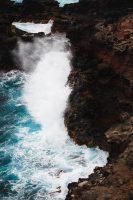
(30, 10)
(115, 180)
(36, 6)
(100, 105)
(101, 79)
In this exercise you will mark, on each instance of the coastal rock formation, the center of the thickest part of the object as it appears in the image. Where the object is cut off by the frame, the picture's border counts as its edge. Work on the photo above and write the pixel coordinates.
(101, 78)
(115, 180)
(9, 13)
(100, 107)
(36, 6)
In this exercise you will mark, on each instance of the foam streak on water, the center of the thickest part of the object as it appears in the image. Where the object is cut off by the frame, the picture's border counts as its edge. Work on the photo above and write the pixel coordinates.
(42, 158)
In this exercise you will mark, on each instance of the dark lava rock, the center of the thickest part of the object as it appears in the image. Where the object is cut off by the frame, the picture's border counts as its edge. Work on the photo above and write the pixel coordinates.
(100, 105)
(32, 6)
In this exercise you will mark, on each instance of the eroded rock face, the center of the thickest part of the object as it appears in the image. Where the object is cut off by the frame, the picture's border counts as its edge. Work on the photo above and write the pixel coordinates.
(100, 109)
(114, 181)
(101, 80)
(36, 6)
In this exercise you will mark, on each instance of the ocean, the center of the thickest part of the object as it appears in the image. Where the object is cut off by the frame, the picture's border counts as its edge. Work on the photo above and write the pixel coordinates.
(37, 158)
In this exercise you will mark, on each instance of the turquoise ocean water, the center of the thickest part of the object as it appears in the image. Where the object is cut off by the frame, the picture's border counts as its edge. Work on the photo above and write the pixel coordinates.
(37, 157)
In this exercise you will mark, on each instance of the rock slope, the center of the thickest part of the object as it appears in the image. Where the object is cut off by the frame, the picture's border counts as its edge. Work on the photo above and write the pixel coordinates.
(100, 105)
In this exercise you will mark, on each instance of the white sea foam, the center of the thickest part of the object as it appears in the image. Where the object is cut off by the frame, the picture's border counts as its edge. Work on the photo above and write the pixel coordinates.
(63, 2)
(34, 28)
(48, 101)
(39, 157)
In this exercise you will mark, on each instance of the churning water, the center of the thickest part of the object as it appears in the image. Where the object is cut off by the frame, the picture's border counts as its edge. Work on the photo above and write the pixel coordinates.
(37, 157)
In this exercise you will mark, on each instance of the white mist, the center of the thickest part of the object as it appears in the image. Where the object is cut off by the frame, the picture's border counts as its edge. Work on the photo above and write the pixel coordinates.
(43, 154)
(31, 27)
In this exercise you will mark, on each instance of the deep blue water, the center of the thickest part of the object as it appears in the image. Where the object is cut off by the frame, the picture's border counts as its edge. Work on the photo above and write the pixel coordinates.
(36, 154)
(29, 166)
(13, 116)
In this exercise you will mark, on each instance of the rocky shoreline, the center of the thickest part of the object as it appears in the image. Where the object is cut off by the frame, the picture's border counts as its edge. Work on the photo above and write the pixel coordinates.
(100, 110)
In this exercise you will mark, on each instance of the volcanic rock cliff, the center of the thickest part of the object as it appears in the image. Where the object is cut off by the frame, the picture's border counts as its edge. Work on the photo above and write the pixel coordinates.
(100, 105)
(100, 109)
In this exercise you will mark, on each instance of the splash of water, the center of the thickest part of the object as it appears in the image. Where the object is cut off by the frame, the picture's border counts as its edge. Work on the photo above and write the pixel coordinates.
(63, 2)
(44, 159)
(34, 28)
